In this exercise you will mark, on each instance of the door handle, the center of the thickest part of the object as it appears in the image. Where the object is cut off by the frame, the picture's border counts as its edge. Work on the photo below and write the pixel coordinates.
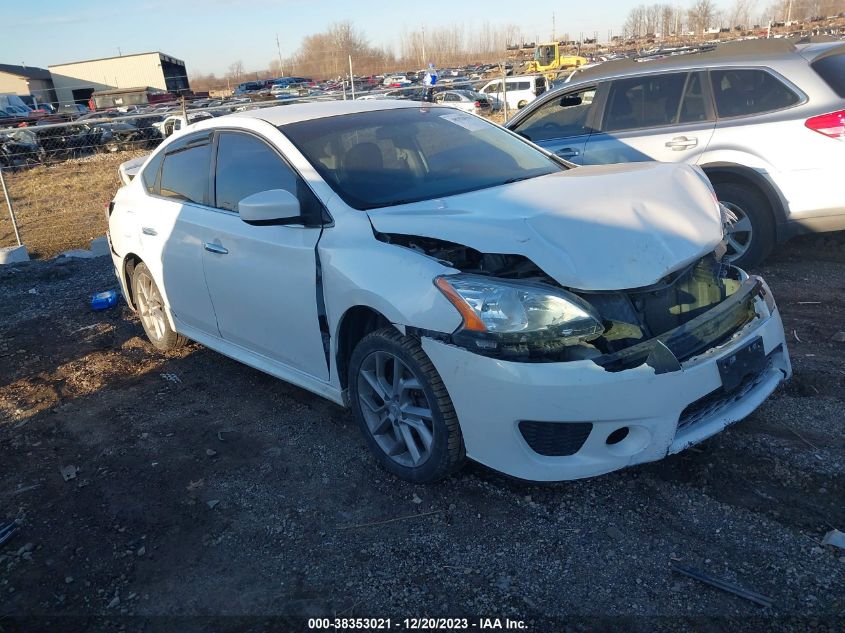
(680, 143)
(148, 231)
(215, 248)
(567, 152)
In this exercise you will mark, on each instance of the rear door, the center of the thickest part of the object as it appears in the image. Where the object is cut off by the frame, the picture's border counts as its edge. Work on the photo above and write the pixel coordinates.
(172, 226)
(562, 124)
(666, 117)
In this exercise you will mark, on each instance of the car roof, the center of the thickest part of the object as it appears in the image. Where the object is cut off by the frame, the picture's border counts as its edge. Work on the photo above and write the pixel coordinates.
(759, 51)
(296, 112)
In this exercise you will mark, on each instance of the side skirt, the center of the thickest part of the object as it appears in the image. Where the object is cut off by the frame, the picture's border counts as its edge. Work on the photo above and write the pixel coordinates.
(262, 363)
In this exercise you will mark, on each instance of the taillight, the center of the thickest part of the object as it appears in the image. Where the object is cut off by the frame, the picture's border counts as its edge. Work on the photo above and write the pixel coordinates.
(832, 125)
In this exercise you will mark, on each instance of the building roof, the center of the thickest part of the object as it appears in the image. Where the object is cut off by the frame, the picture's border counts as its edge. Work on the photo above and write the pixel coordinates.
(30, 72)
(104, 59)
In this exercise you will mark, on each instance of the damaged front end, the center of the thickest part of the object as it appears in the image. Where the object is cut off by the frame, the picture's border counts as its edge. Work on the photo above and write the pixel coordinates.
(688, 312)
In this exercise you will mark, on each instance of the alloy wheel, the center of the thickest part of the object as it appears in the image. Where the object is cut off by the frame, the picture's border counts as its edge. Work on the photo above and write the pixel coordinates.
(739, 234)
(151, 307)
(396, 409)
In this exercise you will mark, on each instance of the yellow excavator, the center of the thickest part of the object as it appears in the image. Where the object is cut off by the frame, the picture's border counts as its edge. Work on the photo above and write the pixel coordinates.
(550, 59)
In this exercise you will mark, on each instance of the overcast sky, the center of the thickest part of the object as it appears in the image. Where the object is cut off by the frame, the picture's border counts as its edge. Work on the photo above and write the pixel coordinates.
(210, 34)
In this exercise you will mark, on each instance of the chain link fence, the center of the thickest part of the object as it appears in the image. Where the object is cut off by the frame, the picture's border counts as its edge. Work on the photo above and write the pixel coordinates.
(59, 177)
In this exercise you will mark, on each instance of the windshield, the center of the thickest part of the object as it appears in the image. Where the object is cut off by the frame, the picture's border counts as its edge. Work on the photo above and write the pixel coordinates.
(391, 157)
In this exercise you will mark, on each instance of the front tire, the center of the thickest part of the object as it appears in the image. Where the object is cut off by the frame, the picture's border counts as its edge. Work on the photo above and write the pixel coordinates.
(151, 310)
(403, 408)
(752, 237)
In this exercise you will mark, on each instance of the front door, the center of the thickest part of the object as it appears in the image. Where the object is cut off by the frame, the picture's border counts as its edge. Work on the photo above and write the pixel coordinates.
(262, 279)
(561, 125)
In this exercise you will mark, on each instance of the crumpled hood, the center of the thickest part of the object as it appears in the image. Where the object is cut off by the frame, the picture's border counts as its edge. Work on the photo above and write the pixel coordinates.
(609, 227)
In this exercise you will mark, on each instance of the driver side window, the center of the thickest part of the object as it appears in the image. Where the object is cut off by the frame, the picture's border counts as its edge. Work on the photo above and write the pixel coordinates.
(561, 117)
(246, 165)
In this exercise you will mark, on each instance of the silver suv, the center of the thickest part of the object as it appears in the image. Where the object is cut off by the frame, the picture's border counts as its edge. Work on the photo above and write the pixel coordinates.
(764, 119)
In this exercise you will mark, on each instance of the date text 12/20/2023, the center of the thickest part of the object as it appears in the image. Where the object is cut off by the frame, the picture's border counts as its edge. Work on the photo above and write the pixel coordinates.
(417, 624)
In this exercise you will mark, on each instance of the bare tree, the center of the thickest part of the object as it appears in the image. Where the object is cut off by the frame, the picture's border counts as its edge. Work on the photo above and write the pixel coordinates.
(740, 13)
(701, 15)
(236, 71)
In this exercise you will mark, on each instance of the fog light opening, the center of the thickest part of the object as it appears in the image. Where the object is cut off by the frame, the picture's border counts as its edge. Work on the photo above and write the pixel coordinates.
(617, 436)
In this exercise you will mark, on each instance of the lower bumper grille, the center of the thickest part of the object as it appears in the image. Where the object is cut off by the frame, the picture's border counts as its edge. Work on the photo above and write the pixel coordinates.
(555, 439)
(715, 401)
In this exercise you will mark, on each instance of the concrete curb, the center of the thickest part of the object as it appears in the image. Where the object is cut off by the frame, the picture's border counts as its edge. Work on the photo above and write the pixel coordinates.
(13, 254)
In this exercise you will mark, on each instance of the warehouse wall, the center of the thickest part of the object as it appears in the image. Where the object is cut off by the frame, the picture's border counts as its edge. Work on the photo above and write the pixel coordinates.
(129, 71)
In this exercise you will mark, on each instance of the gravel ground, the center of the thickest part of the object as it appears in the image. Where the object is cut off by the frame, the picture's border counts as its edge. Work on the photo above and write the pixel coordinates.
(205, 488)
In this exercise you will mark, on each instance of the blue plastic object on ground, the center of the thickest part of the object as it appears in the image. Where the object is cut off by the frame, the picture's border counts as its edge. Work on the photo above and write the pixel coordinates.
(104, 300)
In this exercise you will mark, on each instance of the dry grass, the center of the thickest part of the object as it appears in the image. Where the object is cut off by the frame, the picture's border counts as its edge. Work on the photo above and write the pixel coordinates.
(61, 207)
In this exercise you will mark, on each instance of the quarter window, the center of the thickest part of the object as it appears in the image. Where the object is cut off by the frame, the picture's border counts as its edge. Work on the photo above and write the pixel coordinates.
(562, 117)
(184, 175)
(739, 92)
(641, 102)
(150, 174)
(247, 165)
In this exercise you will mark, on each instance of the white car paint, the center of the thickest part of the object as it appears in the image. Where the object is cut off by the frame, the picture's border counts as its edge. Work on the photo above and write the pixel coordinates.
(638, 215)
(603, 227)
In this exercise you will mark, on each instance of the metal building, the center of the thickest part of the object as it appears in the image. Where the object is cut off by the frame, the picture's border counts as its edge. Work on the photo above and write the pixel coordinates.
(77, 81)
(33, 84)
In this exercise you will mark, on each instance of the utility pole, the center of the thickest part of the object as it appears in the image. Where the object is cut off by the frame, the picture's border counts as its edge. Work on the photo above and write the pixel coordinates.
(789, 12)
(424, 59)
(279, 50)
(554, 32)
(351, 78)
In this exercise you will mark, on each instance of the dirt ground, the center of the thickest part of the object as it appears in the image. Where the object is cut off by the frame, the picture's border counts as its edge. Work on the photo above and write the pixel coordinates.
(205, 488)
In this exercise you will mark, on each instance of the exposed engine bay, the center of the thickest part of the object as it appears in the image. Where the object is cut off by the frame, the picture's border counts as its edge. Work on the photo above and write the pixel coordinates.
(689, 311)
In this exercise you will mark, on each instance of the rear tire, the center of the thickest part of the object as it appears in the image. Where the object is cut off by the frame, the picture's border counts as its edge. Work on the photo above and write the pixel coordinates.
(150, 305)
(753, 236)
(403, 408)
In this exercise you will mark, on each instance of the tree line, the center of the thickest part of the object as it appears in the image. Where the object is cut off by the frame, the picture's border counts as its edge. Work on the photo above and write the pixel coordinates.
(665, 20)
(326, 54)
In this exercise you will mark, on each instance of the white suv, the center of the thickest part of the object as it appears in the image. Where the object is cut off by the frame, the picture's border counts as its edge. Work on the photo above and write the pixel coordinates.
(764, 119)
(467, 294)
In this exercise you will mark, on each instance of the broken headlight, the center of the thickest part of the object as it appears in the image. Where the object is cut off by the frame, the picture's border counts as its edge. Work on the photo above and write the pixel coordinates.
(517, 318)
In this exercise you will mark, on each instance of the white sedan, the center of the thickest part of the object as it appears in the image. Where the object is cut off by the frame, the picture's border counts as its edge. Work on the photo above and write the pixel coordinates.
(464, 292)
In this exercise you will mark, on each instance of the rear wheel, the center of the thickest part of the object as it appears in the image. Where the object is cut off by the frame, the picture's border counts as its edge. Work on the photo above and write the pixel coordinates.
(403, 409)
(151, 311)
(751, 238)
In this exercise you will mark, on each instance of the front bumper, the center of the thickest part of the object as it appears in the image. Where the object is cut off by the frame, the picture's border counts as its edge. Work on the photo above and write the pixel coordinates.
(664, 413)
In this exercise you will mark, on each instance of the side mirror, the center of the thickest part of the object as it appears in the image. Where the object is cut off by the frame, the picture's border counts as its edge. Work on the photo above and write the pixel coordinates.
(570, 100)
(275, 206)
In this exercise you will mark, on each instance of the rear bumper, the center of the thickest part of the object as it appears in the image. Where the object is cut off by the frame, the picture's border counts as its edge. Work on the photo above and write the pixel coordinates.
(663, 412)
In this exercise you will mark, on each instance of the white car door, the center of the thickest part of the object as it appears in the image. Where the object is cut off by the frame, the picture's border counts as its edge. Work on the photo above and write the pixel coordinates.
(263, 279)
(172, 227)
(666, 117)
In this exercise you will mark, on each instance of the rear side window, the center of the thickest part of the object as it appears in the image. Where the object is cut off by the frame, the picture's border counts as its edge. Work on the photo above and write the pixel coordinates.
(184, 175)
(246, 165)
(150, 174)
(640, 102)
(739, 92)
(832, 70)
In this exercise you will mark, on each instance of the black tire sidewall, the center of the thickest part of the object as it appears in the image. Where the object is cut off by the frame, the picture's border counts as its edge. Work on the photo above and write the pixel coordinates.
(437, 465)
(758, 211)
